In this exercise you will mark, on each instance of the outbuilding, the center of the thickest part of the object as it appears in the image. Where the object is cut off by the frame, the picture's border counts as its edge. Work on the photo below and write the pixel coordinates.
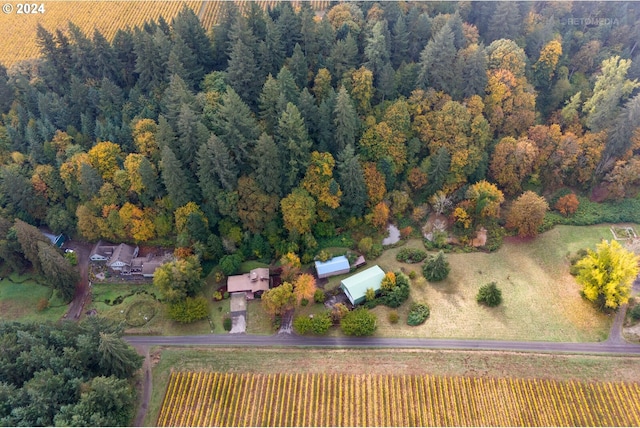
(355, 287)
(335, 266)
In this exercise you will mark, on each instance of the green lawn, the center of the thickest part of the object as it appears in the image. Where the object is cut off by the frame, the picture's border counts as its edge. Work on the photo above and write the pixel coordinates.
(541, 300)
(248, 266)
(160, 322)
(19, 297)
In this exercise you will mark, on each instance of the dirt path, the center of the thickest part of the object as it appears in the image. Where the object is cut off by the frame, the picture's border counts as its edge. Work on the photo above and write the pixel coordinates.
(144, 388)
(82, 294)
(615, 334)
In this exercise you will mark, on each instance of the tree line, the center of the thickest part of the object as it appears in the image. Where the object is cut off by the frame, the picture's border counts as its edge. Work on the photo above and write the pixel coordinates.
(279, 127)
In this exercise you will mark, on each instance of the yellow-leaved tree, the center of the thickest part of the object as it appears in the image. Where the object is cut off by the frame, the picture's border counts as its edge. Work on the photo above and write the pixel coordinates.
(607, 274)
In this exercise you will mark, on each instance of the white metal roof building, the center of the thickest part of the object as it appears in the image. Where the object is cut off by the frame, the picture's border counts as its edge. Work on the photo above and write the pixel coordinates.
(335, 266)
(355, 287)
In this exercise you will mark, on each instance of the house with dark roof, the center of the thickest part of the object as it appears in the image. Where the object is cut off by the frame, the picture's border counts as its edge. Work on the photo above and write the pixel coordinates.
(101, 252)
(122, 257)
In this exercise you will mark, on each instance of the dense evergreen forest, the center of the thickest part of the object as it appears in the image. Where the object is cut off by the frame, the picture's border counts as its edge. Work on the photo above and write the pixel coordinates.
(66, 375)
(282, 129)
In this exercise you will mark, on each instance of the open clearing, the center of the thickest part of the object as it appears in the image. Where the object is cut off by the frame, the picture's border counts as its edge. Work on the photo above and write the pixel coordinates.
(541, 300)
(19, 296)
(476, 364)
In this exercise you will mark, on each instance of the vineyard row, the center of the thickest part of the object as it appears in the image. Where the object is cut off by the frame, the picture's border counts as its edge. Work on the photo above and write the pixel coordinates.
(231, 399)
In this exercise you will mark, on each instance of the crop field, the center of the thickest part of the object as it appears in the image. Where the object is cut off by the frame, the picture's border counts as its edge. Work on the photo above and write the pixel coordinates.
(249, 399)
(18, 31)
(213, 9)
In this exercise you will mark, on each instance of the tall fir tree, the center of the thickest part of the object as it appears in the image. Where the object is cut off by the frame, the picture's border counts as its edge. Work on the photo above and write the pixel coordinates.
(294, 145)
(179, 189)
(351, 179)
(346, 121)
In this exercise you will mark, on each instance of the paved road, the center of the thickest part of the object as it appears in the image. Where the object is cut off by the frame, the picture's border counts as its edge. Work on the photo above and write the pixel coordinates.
(374, 342)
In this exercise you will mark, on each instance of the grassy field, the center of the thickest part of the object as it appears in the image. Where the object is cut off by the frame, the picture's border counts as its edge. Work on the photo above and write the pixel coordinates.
(159, 323)
(386, 362)
(19, 296)
(541, 300)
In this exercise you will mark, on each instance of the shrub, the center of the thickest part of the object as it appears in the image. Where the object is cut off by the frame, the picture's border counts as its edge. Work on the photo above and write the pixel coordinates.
(43, 304)
(338, 312)
(359, 322)
(227, 324)
(436, 268)
(318, 324)
(217, 295)
(567, 205)
(411, 255)
(304, 302)
(323, 256)
(418, 314)
(489, 295)
(189, 310)
(72, 257)
(226, 295)
(365, 244)
(370, 294)
(376, 251)
(495, 237)
(393, 317)
(388, 282)
(319, 296)
(405, 232)
(635, 312)
(412, 274)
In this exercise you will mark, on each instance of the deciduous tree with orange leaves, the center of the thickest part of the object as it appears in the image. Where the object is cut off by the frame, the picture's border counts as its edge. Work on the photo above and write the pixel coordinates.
(527, 214)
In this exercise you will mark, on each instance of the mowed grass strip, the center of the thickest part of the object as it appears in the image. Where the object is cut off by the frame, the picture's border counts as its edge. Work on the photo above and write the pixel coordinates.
(589, 406)
(541, 300)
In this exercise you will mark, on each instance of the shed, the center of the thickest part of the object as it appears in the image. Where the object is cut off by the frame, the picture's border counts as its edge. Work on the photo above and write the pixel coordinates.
(355, 287)
(335, 266)
(57, 240)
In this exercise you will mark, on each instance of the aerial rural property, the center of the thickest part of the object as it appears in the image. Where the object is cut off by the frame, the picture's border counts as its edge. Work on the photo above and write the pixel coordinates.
(319, 213)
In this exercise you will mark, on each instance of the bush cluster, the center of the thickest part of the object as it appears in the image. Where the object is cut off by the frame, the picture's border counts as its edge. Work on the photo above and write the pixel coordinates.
(317, 325)
(411, 255)
(635, 312)
(189, 310)
(319, 296)
(359, 322)
(418, 314)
